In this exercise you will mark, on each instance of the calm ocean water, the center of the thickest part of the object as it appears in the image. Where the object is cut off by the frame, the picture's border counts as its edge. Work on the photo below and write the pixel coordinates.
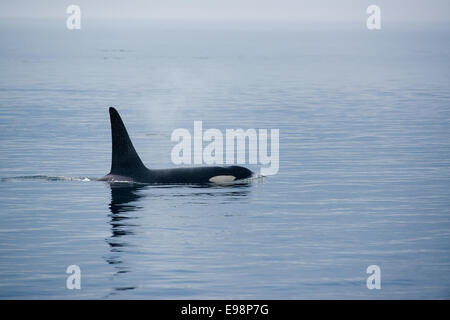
(364, 120)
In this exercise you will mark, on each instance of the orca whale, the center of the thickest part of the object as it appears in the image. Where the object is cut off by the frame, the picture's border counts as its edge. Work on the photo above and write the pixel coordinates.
(126, 166)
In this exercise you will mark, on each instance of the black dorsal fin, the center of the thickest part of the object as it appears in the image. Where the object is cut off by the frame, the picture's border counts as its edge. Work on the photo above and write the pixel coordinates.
(125, 159)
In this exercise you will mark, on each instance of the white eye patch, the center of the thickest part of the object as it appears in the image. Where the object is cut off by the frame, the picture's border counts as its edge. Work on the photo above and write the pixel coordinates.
(222, 179)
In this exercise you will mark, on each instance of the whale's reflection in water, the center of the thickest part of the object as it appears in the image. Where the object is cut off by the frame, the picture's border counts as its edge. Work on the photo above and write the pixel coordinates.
(124, 215)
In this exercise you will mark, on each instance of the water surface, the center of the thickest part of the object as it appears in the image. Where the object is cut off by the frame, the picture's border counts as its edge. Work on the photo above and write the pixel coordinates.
(364, 120)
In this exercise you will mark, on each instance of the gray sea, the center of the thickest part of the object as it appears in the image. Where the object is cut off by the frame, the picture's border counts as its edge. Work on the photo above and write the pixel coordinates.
(364, 177)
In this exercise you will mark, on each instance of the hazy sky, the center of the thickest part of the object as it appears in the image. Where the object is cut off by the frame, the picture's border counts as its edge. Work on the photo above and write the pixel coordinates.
(303, 10)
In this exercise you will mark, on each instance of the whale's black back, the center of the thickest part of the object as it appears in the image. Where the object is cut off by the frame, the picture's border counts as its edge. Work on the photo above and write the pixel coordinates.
(127, 166)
